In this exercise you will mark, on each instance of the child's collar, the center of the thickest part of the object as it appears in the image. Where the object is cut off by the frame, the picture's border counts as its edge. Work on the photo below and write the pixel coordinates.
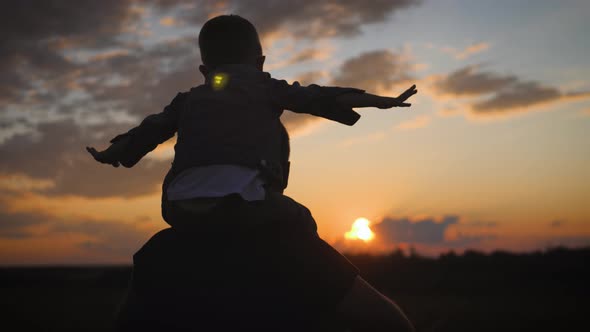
(239, 71)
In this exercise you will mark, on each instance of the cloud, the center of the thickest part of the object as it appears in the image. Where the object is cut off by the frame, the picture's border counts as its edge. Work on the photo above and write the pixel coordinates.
(60, 143)
(97, 237)
(424, 231)
(378, 70)
(427, 234)
(168, 21)
(57, 153)
(152, 76)
(106, 236)
(301, 56)
(319, 18)
(418, 122)
(483, 224)
(494, 94)
(18, 182)
(39, 63)
(299, 18)
(35, 34)
(521, 96)
(78, 75)
(311, 77)
(462, 54)
(84, 59)
(470, 81)
(18, 225)
(473, 49)
(310, 54)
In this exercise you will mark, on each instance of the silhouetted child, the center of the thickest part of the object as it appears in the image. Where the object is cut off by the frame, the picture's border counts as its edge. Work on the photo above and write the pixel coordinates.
(231, 156)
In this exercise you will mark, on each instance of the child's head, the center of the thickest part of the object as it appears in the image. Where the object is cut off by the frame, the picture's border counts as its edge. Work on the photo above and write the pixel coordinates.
(229, 39)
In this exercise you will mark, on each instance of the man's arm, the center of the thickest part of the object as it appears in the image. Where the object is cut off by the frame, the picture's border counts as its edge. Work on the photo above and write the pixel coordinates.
(364, 308)
(127, 149)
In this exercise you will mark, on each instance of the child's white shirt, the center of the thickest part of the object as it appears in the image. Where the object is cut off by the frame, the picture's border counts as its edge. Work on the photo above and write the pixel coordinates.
(217, 181)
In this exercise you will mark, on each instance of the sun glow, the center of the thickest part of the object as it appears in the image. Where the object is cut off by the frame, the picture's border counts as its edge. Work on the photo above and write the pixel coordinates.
(360, 230)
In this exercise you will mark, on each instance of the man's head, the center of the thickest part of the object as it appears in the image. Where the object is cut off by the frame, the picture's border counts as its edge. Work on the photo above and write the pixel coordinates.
(229, 39)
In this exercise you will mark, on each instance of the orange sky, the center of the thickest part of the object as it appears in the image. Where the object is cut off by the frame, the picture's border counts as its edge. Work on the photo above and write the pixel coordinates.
(493, 154)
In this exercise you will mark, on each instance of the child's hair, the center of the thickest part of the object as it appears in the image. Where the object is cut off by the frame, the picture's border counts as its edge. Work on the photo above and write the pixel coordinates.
(228, 39)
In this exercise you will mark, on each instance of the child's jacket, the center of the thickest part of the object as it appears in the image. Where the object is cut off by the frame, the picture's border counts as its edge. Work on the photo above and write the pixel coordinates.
(233, 118)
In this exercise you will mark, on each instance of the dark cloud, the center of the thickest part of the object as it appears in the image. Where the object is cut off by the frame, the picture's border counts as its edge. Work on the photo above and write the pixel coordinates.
(299, 18)
(313, 19)
(34, 35)
(60, 145)
(308, 54)
(518, 96)
(46, 78)
(120, 239)
(153, 77)
(311, 77)
(107, 236)
(57, 152)
(374, 70)
(498, 94)
(424, 231)
(50, 20)
(17, 225)
(487, 224)
(428, 235)
(469, 81)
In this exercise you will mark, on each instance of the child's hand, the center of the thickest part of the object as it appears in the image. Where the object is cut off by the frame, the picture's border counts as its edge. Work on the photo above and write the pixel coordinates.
(407, 94)
(389, 102)
(106, 157)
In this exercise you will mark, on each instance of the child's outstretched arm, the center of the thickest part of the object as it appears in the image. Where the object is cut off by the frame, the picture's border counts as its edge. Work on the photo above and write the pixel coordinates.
(128, 148)
(353, 100)
(334, 103)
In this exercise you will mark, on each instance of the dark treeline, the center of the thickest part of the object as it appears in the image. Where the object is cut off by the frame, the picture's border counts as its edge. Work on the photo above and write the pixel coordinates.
(554, 270)
(473, 291)
(557, 270)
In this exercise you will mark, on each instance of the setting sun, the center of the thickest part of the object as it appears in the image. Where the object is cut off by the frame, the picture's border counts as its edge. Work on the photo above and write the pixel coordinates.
(360, 230)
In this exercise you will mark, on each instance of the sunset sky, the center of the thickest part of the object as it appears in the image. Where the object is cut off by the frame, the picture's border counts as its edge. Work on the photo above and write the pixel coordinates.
(493, 154)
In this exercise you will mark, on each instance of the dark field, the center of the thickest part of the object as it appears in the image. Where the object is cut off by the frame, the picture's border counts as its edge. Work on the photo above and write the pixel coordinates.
(543, 291)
